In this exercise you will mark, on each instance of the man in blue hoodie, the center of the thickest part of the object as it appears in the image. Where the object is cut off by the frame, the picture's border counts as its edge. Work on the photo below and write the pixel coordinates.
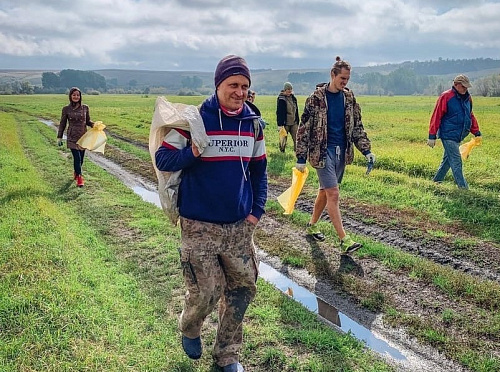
(221, 199)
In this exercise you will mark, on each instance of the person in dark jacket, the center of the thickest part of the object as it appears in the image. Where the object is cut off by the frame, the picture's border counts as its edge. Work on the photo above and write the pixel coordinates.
(287, 113)
(452, 121)
(77, 117)
(251, 96)
(222, 196)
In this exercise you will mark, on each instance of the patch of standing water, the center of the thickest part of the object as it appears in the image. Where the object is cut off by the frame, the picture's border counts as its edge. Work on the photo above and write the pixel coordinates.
(50, 123)
(326, 311)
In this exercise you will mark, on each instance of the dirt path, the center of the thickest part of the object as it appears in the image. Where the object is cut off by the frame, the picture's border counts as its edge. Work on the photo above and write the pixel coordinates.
(411, 237)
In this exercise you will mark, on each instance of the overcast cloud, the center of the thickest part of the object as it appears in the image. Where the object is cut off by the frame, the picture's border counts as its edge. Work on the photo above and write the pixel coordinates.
(284, 34)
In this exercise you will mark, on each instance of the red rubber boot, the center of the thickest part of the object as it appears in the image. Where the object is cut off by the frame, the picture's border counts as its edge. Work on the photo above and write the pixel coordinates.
(79, 181)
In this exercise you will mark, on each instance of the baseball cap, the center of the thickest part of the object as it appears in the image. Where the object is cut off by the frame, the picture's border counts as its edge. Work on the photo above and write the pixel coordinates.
(462, 79)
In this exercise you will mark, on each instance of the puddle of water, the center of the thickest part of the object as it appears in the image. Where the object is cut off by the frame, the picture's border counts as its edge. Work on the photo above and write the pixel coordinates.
(147, 195)
(50, 123)
(299, 293)
(326, 311)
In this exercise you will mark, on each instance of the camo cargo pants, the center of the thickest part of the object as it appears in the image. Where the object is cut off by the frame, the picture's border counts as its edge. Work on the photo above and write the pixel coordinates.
(218, 262)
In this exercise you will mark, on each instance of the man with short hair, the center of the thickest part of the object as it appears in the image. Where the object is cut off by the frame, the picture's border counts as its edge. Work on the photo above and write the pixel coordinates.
(452, 121)
(222, 196)
(329, 127)
(287, 113)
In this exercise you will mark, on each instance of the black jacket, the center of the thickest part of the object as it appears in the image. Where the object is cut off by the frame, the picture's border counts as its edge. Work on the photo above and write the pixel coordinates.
(281, 110)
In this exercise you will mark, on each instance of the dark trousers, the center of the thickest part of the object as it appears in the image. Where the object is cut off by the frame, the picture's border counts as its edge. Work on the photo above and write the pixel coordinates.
(78, 156)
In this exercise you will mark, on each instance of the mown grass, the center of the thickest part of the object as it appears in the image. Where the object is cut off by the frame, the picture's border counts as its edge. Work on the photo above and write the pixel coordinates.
(90, 278)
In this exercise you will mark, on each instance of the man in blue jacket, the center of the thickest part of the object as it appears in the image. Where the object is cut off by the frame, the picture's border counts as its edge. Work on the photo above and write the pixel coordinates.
(221, 199)
(451, 121)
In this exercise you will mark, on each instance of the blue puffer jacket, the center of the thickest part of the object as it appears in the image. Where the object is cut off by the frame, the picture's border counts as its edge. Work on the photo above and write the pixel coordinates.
(453, 118)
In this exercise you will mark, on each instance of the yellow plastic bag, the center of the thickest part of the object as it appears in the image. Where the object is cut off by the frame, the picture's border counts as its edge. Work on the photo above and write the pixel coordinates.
(282, 135)
(289, 197)
(467, 147)
(94, 139)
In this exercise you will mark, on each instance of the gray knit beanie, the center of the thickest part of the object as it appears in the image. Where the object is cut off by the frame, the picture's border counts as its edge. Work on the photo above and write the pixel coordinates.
(231, 65)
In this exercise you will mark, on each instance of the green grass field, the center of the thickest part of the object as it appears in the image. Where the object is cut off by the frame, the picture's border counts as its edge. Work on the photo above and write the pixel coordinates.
(43, 278)
(397, 127)
(90, 278)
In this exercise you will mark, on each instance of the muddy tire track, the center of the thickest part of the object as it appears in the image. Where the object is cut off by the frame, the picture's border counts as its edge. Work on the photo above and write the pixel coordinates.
(427, 247)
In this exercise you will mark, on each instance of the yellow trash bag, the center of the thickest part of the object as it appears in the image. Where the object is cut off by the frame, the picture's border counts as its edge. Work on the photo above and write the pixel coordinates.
(467, 147)
(289, 197)
(94, 139)
(282, 135)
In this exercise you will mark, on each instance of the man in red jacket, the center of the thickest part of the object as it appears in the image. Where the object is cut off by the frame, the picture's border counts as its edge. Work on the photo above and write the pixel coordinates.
(451, 121)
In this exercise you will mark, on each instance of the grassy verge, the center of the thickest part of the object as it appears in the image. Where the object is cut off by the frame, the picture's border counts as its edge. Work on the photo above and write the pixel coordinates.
(90, 278)
(395, 185)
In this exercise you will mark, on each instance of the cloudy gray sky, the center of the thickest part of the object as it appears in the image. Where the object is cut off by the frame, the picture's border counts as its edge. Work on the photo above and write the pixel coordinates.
(277, 34)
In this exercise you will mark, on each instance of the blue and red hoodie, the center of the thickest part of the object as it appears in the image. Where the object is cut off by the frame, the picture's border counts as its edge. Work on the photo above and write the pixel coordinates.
(229, 180)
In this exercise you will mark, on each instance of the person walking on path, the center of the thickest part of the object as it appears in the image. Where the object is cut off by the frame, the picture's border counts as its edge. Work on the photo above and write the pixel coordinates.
(222, 196)
(77, 117)
(329, 127)
(287, 113)
(452, 121)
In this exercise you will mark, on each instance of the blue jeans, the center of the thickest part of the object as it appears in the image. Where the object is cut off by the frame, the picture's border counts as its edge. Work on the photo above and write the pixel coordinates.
(453, 160)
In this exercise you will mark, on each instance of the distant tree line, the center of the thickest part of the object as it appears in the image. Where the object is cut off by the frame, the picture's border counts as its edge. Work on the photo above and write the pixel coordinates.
(407, 78)
(402, 81)
(449, 66)
(488, 86)
(17, 87)
(85, 80)
(411, 78)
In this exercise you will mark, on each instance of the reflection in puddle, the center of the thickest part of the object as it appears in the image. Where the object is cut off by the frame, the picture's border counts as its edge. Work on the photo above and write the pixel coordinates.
(298, 293)
(326, 311)
(50, 123)
(147, 195)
